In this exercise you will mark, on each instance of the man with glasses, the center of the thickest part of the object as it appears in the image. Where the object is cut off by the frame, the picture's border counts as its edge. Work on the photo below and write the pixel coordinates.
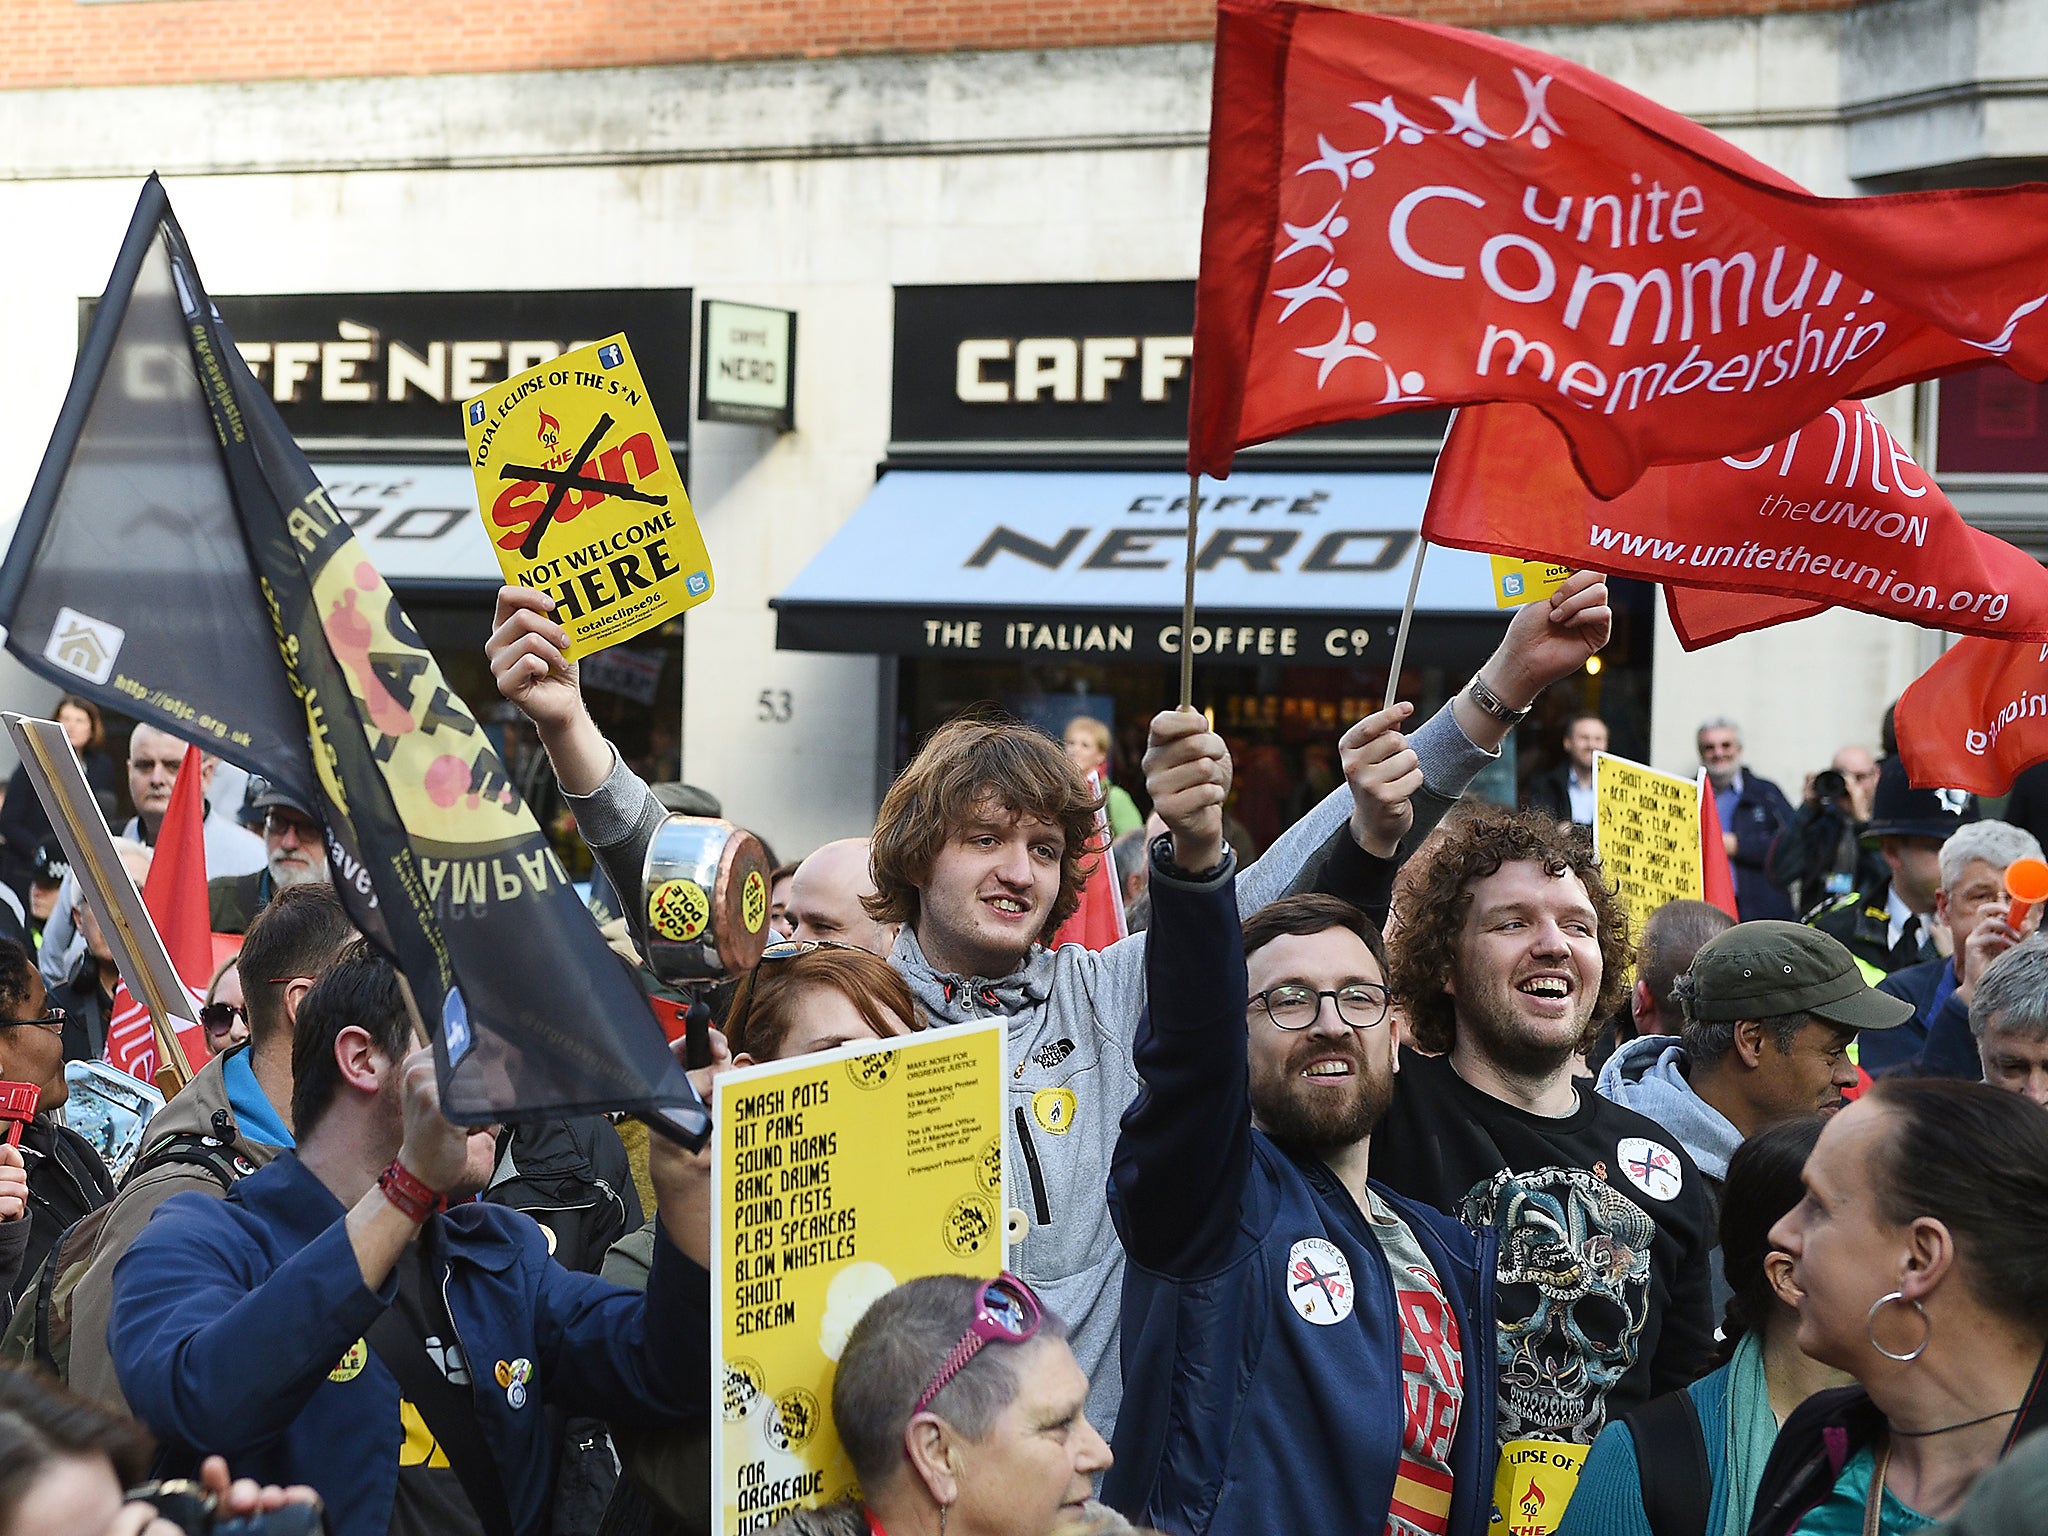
(66, 1178)
(979, 851)
(1281, 1313)
(294, 853)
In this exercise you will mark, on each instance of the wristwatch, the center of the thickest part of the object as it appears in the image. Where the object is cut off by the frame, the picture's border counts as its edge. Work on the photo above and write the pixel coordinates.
(1489, 703)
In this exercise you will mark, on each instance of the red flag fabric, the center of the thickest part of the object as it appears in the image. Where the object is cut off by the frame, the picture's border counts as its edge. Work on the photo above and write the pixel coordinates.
(1401, 215)
(131, 1043)
(1717, 876)
(1835, 515)
(175, 894)
(1099, 920)
(1976, 717)
(1704, 616)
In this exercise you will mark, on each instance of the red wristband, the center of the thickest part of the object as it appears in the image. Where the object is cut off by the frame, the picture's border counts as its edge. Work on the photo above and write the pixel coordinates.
(404, 1190)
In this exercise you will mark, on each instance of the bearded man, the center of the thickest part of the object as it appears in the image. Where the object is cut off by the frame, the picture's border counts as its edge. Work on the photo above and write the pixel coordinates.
(294, 853)
(1281, 1313)
(1509, 952)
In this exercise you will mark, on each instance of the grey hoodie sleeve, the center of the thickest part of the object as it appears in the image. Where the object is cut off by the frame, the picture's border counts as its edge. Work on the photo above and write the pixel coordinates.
(1449, 763)
(618, 819)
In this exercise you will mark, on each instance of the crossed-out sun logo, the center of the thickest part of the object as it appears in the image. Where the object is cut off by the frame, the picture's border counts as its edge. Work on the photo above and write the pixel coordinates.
(1651, 1167)
(1319, 1281)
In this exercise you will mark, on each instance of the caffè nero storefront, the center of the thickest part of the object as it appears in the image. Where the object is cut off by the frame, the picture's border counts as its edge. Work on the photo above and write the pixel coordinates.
(370, 385)
(1023, 548)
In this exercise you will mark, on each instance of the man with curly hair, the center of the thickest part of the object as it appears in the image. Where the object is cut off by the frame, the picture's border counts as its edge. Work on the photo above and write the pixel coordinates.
(979, 851)
(1509, 951)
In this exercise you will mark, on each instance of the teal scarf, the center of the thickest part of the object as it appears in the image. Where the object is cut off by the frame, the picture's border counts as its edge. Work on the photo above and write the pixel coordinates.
(1752, 1428)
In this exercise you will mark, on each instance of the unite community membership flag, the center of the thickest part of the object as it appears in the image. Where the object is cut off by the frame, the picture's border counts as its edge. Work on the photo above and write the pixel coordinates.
(1404, 215)
(179, 562)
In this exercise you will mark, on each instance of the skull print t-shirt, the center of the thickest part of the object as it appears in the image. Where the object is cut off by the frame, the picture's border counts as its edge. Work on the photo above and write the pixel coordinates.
(1432, 1379)
(1602, 1285)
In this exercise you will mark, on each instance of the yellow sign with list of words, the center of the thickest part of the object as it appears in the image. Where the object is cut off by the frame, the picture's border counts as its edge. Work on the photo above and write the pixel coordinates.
(836, 1177)
(1646, 834)
(582, 498)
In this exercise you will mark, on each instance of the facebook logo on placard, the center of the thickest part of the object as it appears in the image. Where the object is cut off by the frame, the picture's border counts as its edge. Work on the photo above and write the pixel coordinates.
(699, 582)
(611, 356)
(476, 413)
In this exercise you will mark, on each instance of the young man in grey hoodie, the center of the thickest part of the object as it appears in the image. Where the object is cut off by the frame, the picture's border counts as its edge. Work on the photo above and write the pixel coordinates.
(977, 855)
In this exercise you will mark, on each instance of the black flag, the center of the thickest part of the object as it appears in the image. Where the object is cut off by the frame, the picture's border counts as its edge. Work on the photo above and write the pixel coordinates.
(178, 561)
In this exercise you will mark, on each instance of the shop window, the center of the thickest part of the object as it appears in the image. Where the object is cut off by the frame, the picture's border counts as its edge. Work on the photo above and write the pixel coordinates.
(1990, 421)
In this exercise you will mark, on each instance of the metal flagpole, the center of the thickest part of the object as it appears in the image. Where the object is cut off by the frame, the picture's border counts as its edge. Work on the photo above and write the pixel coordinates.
(1393, 695)
(1401, 634)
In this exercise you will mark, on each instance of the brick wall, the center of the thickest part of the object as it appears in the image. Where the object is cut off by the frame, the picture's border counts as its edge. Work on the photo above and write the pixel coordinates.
(140, 42)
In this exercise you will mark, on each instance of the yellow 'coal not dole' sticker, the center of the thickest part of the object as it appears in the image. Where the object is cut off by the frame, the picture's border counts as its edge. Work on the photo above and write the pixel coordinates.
(678, 910)
(754, 901)
(581, 496)
(351, 1364)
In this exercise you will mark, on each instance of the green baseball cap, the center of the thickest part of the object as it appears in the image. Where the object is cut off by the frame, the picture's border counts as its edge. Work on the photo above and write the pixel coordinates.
(1764, 969)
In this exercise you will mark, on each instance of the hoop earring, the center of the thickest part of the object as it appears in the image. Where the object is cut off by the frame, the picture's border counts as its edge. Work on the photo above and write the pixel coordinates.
(1870, 1328)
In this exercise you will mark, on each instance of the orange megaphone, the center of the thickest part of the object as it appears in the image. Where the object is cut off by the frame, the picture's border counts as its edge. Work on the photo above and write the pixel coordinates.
(2026, 882)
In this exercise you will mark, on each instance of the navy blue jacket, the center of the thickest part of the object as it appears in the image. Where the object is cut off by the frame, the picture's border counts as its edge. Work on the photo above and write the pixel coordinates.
(1761, 812)
(1936, 1041)
(1239, 1415)
(230, 1314)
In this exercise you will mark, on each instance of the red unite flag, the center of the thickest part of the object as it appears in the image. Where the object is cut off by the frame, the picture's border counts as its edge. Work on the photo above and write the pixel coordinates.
(1976, 717)
(1717, 875)
(1098, 921)
(1837, 514)
(1402, 215)
(175, 894)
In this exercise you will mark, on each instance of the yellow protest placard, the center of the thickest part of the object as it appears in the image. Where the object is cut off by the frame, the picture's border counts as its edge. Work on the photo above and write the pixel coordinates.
(1516, 582)
(1646, 832)
(837, 1176)
(582, 498)
(1532, 1483)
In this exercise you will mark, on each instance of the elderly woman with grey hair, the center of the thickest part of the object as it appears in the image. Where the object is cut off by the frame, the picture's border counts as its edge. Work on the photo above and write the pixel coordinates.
(962, 1410)
(2009, 1018)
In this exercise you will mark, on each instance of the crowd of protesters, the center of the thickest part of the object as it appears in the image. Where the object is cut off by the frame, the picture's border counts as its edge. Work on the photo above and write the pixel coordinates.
(1391, 1155)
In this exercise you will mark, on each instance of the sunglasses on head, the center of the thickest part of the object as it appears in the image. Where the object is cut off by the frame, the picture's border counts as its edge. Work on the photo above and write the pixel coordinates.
(789, 949)
(1006, 1312)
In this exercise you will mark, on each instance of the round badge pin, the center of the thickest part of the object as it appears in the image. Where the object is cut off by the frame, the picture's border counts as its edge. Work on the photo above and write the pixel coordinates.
(1319, 1281)
(1651, 1167)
